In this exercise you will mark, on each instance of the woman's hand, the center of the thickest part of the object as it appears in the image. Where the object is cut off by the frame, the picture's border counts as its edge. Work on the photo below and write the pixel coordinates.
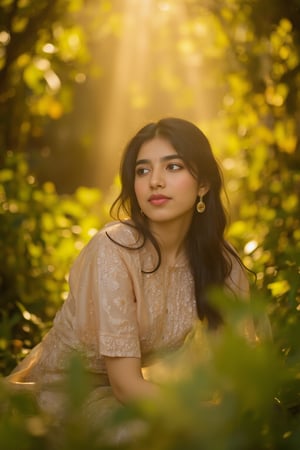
(126, 379)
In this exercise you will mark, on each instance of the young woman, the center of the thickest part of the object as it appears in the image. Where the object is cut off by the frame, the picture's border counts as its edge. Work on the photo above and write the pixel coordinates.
(141, 283)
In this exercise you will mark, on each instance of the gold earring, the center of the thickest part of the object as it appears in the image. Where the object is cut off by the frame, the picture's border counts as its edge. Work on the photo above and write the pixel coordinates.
(200, 205)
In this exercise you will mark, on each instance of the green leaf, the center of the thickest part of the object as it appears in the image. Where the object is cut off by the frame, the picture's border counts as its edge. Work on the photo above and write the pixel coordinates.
(279, 288)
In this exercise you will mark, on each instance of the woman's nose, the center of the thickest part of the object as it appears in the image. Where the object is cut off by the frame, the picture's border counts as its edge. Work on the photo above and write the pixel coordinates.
(157, 178)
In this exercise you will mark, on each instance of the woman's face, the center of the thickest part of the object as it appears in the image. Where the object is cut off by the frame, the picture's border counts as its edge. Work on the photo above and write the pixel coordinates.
(166, 190)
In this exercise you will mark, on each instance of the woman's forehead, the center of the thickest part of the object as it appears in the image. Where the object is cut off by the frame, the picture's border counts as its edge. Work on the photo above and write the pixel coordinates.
(156, 147)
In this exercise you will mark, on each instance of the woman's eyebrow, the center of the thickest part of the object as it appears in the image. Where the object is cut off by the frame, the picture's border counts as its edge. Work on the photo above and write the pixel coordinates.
(164, 158)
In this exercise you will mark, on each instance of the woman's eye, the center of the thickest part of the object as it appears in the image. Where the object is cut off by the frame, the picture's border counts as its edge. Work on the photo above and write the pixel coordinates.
(140, 171)
(175, 166)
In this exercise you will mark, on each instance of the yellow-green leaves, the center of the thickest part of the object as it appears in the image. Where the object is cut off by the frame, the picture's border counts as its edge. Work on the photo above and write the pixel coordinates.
(41, 234)
(279, 288)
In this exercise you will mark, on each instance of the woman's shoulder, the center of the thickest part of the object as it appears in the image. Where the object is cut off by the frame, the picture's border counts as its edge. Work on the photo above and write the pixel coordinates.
(109, 244)
(122, 233)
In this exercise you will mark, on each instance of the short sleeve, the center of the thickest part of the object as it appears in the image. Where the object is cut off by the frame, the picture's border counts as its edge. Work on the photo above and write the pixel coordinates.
(105, 300)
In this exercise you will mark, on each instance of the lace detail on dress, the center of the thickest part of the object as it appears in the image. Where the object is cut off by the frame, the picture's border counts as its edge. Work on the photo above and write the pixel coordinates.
(119, 346)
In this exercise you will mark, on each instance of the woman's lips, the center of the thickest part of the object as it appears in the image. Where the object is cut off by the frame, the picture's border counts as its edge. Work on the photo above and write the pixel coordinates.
(158, 199)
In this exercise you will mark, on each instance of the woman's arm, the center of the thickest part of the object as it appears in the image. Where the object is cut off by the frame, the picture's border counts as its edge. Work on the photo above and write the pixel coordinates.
(126, 379)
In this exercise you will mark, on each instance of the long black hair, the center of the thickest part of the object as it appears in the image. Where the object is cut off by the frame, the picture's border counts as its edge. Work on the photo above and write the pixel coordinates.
(206, 248)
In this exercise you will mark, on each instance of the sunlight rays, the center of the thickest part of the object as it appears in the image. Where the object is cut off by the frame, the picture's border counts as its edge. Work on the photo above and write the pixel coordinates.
(130, 70)
(155, 72)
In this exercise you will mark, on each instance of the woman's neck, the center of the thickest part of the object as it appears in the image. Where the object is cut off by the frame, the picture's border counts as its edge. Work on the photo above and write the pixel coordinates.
(170, 238)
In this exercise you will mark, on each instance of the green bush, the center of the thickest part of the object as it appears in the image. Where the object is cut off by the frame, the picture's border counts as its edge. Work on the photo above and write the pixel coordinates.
(228, 398)
(41, 233)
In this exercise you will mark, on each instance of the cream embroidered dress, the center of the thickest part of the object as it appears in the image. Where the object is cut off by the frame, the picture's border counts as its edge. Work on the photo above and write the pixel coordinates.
(114, 308)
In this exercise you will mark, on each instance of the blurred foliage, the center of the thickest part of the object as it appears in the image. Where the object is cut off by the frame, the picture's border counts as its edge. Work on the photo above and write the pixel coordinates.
(228, 398)
(41, 233)
(41, 50)
(233, 68)
(261, 116)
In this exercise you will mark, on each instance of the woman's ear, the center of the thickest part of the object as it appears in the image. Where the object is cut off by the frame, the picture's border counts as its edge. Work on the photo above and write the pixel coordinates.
(203, 189)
